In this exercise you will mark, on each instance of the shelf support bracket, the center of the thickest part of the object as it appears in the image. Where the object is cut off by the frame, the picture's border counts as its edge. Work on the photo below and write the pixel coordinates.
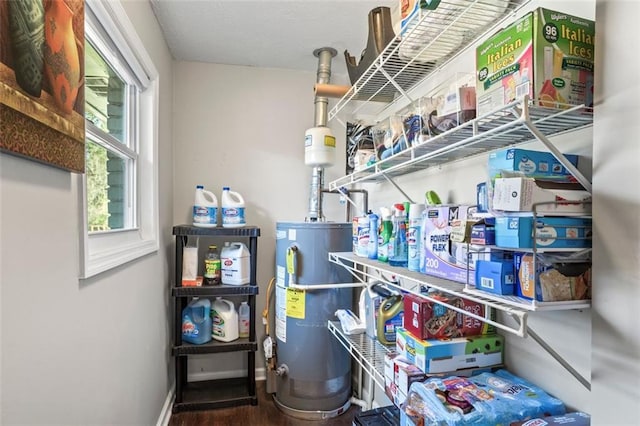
(398, 188)
(556, 153)
(555, 355)
(392, 81)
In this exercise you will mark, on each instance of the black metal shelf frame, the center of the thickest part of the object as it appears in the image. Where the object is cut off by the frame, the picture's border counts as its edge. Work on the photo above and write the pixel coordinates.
(203, 395)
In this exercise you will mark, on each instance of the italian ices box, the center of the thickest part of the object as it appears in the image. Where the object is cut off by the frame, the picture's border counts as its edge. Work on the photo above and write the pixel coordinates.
(547, 55)
(438, 356)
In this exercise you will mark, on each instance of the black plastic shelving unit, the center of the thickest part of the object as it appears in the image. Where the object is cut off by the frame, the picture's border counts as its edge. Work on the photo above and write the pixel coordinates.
(210, 394)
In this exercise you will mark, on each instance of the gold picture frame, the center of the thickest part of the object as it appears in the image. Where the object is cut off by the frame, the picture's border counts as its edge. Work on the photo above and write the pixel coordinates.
(42, 81)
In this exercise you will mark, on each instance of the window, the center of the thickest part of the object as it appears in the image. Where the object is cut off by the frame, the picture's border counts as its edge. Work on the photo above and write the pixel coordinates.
(119, 187)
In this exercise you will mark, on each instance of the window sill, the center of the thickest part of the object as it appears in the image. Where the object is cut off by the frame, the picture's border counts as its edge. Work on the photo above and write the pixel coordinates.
(104, 260)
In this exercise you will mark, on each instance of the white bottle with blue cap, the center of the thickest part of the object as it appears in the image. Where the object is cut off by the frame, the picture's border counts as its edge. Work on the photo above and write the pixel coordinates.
(205, 208)
(232, 209)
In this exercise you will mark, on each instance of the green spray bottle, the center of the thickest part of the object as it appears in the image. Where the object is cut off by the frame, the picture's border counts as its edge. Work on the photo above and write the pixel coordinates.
(386, 229)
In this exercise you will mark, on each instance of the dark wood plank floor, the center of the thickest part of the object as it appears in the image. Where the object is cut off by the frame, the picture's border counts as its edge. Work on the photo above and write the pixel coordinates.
(264, 414)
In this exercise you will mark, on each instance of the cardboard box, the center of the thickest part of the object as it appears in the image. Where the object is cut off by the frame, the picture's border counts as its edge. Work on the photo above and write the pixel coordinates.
(534, 164)
(495, 277)
(550, 232)
(483, 234)
(437, 356)
(436, 257)
(546, 55)
(389, 372)
(425, 319)
(405, 374)
(519, 194)
(546, 284)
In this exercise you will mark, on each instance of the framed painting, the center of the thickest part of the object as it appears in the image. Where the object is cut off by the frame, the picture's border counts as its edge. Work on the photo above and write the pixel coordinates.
(42, 81)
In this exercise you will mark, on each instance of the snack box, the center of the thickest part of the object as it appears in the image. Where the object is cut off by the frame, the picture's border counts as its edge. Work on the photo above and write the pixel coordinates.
(495, 277)
(550, 232)
(546, 284)
(546, 55)
(449, 355)
(519, 194)
(534, 164)
(425, 319)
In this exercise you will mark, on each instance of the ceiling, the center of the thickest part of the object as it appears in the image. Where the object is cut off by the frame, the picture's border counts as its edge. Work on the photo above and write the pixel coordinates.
(266, 33)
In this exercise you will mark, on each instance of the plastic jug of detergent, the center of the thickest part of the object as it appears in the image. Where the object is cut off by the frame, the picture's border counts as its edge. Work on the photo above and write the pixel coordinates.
(232, 209)
(224, 320)
(205, 208)
(196, 321)
(390, 316)
(235, 265)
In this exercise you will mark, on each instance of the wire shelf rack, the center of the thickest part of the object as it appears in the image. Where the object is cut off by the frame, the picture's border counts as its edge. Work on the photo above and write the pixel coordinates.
(427, 41)
(367, 352)
(507, 126)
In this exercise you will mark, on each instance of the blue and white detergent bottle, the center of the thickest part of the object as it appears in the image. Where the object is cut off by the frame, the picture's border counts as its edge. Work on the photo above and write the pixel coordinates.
(232, 209)
(205, 208)
(196, 321)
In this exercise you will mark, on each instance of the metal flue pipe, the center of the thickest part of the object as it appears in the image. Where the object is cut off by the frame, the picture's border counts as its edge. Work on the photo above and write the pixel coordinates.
(323, 76)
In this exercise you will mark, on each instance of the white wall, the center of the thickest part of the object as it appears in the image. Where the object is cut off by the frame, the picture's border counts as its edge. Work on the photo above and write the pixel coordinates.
(244, 127)
(616, 179)
(82, 352)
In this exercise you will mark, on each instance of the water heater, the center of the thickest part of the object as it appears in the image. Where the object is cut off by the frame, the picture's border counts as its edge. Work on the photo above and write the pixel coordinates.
(319, 147)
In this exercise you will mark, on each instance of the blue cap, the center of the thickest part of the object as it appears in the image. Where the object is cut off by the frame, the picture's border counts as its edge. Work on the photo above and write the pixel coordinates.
(225, 188)
(199, 187)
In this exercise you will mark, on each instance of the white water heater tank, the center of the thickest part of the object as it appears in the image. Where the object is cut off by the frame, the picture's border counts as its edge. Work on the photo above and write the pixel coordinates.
(319, 147)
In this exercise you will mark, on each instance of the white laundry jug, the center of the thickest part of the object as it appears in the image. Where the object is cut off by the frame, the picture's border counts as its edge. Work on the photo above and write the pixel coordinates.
(205, 208)
(234, 264)
(224, 320)
(232, 209)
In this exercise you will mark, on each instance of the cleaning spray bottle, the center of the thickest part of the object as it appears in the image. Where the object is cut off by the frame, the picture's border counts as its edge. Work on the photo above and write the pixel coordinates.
(413, 236)
(374, 229)
(398, 256)
(386, 228)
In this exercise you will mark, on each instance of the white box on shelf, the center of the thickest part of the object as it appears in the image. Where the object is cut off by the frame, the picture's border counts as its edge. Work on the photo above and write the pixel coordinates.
(519, 194)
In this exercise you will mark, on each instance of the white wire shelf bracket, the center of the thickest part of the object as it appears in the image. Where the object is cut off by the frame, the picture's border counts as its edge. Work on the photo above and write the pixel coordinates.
(417, 283)
(428, 41)
(517, 122)
(367, 352)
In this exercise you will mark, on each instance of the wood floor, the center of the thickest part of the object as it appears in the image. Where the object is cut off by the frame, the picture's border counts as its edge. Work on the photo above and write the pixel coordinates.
(264, 414)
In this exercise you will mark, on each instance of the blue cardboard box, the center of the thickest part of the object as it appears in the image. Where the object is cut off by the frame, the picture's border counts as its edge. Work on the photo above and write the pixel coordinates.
(551, 232)
(531, 163)
(495, 277)
(483, 234)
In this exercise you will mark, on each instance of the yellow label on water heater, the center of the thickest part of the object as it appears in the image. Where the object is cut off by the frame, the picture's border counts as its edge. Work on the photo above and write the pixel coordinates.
(295, 303)
(329, 141)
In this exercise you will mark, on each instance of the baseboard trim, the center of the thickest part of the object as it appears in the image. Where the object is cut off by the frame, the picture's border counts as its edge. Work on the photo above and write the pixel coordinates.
(229, 374)
(165, 414)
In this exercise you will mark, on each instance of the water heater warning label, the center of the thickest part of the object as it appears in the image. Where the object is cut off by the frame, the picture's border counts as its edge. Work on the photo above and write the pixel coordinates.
(295, 303)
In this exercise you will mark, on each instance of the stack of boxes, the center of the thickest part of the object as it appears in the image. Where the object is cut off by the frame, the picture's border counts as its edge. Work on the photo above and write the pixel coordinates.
(437, 341)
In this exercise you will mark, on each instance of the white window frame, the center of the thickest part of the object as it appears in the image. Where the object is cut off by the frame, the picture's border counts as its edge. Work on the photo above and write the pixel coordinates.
(103, 251)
